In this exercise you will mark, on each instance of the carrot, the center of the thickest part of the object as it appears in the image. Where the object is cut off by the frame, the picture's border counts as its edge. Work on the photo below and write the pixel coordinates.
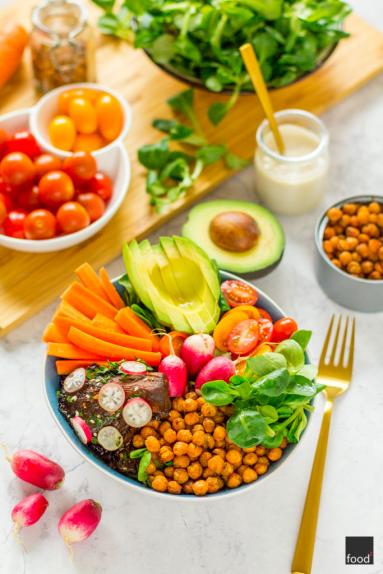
(68, 351)
(13, 39)
(89, 279)
(54, 334)
(106, 323)
(105, 335)
(67, 310)
(110, 289)
(110, 350)
(133, 325)
(87, 302)
(67, 366)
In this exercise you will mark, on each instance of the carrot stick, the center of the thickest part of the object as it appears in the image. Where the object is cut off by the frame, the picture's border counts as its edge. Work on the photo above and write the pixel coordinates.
(133, 325)
(110, 289)
(69, 311)
(87, 302)
(110, 350)
(106, 323)
(13, 39)
(54, 334)
(67, 366)
(68, 351)
(111, 336)
(89, 279)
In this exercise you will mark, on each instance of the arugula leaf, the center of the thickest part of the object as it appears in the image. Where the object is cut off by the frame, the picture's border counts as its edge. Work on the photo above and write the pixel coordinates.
(271, 385)
(211, 153)
(154, 156)
(235, 162)
(138, 453)
(218, 393)
(246, 428)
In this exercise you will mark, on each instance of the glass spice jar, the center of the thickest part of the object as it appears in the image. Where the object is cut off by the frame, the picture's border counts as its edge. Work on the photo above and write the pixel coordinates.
(61, 44)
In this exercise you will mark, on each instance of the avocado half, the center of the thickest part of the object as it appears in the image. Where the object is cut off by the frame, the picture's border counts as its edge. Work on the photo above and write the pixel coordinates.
(257, 261)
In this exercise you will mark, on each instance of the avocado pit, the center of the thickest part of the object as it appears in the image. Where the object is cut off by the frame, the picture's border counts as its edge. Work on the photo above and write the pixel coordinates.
(234, 231)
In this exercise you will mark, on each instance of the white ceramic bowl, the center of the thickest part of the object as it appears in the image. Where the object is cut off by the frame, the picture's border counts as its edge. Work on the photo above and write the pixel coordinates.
(115, 163)
(46, 109)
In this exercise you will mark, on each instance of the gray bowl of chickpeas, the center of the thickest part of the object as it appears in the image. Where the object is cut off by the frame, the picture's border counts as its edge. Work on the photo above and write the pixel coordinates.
(349, 254)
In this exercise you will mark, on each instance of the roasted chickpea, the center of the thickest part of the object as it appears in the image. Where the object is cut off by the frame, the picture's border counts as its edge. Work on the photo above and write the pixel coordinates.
(234, 457)
(349, 208)
(380, 253)
(208, 472)
(260, 450)
(371, 229)
(184, 435)
(261, 468)
(178, 404)
(283, 443)
(188, 487)
(180, 448)
(204, 458)
(334, 214)
(201, 401)
(170, 436)
(345, 258)
(249, 475)
(352, 231)
(216, 464)
(154, 424)
(363, 250)
(199, 438)
(241, 469)
(197, 427)
(234, 480)
(220, 443)
(345, 220)
(147, 431)
(191, 419)
(208, 424)
(274, 454)
(160, 483)
(166, 454)
(178, 424)
(336, 262)
(138, 441)
(363, 238)
(174, 487)
(214, 484)
(328, 233)
(209, 410)
(354, 268)
(209, 441)
(200, 487)
(263, 460)
(182, 461)
(374, 207)
(169, 471)
(363, 215)
(375, 275)
(158, 472)
(374, 245)
(191, 395)
(250, 449)
(151, 468)
(251, 458)
(173, 414)
(180, 475)
(219, 433)
(220, 452)
(367, 267)
(164, 427)
(219, 418)
(227, 470)
(152, 444)
(190, 405)
(228, 410)
(194, 470)
(194, 451)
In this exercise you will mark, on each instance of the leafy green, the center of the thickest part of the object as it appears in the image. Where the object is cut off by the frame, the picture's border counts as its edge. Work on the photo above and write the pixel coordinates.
(129, 294)
(145, 458)
(246, 428)
(293, 353)
(302, 337)
(146, 315)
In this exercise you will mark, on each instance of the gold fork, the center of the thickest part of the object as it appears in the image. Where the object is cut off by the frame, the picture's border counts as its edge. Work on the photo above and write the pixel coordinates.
(337, 377)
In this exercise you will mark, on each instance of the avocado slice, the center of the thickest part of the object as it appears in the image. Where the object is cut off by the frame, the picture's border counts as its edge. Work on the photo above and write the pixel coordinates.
(177, 288)
(259, 259)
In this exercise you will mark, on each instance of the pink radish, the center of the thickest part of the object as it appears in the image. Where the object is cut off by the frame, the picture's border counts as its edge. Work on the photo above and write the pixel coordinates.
(196, 351)
(174, 369)
(110, 438)
(75, 380)
(111, 397)
(80, 521)
(81, 429)
(37, 469)
(133, 368)
(137, 413)
(29, 510)
(218, 369)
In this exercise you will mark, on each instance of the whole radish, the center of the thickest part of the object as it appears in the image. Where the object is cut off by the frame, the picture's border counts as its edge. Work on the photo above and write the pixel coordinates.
(37, 469)
(218, 369)
(80, 521)
(174, 369)
(197, 350)
(29, 510)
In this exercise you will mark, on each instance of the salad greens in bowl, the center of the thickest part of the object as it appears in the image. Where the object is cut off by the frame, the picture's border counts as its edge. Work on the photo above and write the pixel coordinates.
(198, 40)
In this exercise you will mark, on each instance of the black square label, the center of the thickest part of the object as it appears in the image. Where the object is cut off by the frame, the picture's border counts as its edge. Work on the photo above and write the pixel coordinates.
(359, 550)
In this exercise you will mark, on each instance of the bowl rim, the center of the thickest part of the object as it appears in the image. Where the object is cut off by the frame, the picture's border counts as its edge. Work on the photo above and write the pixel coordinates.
(45, 143)
(129, 482)
(319, 230)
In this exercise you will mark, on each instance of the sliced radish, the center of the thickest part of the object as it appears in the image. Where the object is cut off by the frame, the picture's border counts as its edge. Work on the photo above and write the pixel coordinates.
(75, 381)
(81, 429)
(110, 438)
(111, 397)
(137, 412)
(133, 368)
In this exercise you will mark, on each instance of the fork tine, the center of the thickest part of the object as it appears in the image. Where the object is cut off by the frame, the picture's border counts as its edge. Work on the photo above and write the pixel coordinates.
(326, 342)
(343, 350)
(335, 343)
(351, 353)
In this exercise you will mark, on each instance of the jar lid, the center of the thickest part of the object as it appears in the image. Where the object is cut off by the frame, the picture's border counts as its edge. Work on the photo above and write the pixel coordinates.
(56, 9)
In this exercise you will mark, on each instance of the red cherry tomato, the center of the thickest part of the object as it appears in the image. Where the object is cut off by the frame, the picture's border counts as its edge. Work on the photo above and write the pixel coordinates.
(244, 337)
(23, 142)
(17, 169)
(102, 185)
(3, 142)
(5, 187)
(55, 188)
(265, 314)
(29, 198)
(93, 203)
(238, 293)
(40, 224)
(265, 329)
(7, 200)
(14, 223)
(46, 162)
(71, 217)
(3, 212)
(80, 166)
(283, 329)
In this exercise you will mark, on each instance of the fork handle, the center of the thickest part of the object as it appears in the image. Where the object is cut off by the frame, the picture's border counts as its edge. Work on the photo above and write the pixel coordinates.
(304, 549)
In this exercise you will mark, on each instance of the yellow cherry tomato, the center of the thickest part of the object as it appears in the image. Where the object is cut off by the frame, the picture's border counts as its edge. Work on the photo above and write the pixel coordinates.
(110, 116)
(65, 97)
(83, 113)
(62, 132)
(88, 142)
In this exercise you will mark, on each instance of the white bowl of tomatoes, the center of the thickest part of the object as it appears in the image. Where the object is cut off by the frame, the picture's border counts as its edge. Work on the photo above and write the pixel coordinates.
(49, 202)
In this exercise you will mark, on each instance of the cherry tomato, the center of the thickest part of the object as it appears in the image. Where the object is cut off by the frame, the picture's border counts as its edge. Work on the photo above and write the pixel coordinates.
(55, 188)
(238, 293)
(244, 337)
(46, 162)
(71, 217)
(80, 166)
(110, 116)
(83, 114)
(14, 223)
(177, 339)
(40, 224)
(88, 142)
(265, 314)
(5, 187)
(283, 329)
(17, 169)
(65, 97)
(102, 185)
(3, 212)
(8, 201)
(62, 132)
(29, 198)
(93, 203)
(23, 142)
(265, 329)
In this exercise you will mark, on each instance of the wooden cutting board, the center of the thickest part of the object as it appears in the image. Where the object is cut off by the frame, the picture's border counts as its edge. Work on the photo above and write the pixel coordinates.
(28, 281)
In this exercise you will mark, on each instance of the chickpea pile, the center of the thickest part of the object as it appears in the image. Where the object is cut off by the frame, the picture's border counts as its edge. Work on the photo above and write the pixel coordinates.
(353, 239)
(201, 458)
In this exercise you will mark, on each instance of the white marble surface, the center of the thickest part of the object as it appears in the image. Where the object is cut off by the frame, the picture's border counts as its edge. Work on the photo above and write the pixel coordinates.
(253, 533)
